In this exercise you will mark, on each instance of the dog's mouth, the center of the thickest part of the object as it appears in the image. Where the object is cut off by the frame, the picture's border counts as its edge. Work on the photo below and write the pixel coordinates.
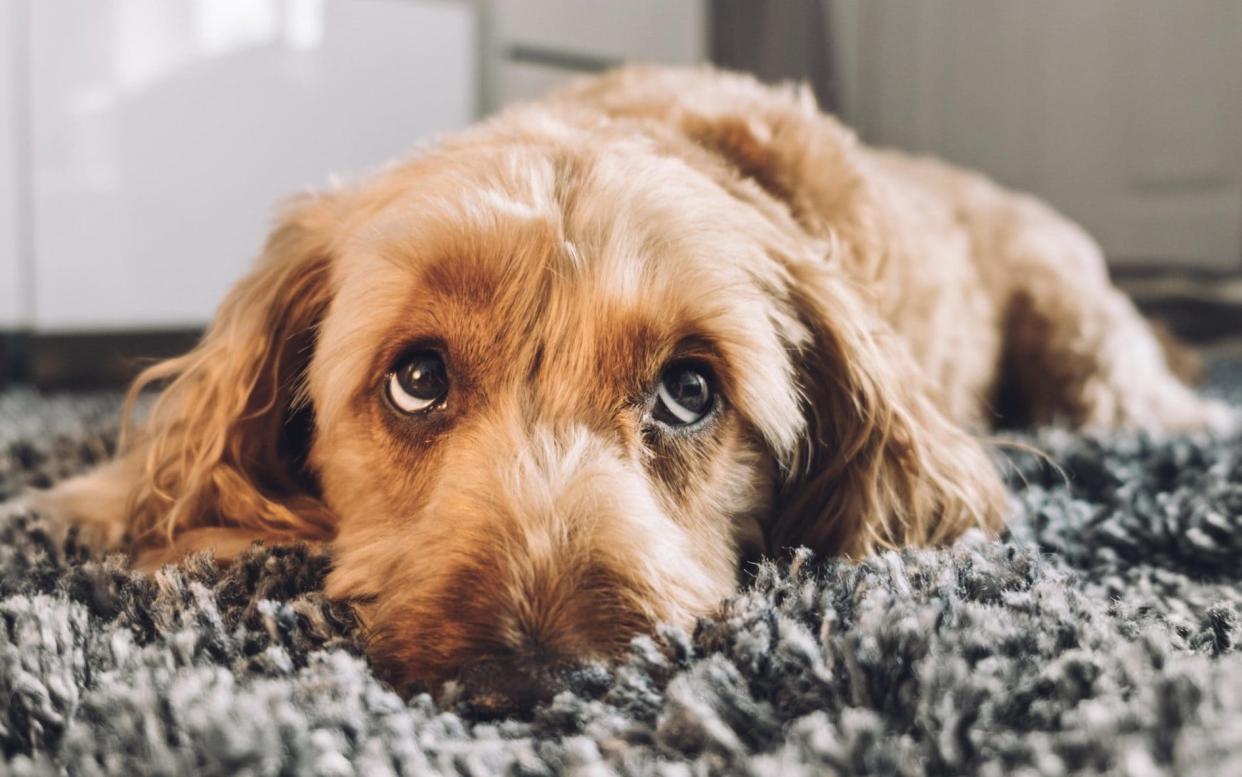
(480, 646)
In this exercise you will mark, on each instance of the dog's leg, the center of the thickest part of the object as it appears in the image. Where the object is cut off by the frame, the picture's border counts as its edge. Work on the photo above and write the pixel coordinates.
(95, 503)
(225, 544)
(98, 505)
(1076, 349)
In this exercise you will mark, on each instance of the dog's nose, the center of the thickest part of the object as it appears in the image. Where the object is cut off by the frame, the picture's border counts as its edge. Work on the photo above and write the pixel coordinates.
(500, 688)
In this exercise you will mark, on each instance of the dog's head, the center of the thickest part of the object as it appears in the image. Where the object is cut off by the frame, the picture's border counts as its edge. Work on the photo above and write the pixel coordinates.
(543, 388)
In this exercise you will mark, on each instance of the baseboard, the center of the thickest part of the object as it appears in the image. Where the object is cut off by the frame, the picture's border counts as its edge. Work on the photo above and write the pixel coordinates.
(12, 362)
(69, 361)
(1199, 307)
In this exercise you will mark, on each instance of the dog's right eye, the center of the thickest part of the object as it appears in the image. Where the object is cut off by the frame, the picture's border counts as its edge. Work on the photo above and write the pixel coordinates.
(419, 382)
(684, 394)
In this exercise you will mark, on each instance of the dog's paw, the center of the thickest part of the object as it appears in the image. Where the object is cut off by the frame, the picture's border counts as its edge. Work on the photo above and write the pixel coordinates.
(58, 512)
(1194, 415)
(1220, 418)
(26, 505)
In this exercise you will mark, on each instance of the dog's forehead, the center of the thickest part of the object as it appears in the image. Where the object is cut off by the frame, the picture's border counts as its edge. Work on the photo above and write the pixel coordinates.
(595, 259)
(561, 210)
(612, 229)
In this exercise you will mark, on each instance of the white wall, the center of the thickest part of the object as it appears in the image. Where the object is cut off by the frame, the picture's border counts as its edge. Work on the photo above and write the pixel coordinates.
(1125, 114)
(165, 132)
(11, 282)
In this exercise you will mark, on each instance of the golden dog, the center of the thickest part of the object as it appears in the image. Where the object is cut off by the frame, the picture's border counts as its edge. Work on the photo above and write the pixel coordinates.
(549, 382)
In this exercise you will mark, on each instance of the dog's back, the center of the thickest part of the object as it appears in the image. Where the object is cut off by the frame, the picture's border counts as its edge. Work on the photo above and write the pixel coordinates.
(984, 286)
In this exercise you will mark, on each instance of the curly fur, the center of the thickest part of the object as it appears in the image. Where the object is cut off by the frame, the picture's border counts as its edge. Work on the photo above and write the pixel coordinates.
(861, 311)
(1101, 635)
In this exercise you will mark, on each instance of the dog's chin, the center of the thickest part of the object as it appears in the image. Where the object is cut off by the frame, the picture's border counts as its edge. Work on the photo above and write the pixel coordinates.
(470, 652)
(531, 560)
(503, 683)
(496, 654)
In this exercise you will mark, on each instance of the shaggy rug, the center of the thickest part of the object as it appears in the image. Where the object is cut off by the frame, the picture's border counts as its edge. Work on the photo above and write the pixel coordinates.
(1101, 636)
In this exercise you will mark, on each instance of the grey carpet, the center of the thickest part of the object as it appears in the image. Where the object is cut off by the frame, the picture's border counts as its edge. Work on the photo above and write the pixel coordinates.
(1100, 637)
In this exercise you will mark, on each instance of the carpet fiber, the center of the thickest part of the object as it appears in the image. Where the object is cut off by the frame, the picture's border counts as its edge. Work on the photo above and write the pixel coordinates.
(1102, 636)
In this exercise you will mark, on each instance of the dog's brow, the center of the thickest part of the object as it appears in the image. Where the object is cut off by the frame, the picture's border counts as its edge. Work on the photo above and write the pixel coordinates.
(572, 252)
(536, 361)
(469, 281)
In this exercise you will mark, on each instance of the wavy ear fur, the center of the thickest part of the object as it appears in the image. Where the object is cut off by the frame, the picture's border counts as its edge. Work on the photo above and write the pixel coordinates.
(882, 467)
(775, 136)
(221, 453)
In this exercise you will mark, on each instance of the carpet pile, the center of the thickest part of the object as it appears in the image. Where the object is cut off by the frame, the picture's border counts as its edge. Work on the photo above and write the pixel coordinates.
(1101, 635)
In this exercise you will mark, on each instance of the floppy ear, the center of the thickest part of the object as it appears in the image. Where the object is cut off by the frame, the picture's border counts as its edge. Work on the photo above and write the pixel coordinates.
(222, 452)
(882, 466)
(773, 135)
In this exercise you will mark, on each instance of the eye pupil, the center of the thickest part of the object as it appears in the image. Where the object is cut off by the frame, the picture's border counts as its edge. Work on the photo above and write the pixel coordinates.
(423, 377)
(419, 382)
(684, 395)
(689, 388)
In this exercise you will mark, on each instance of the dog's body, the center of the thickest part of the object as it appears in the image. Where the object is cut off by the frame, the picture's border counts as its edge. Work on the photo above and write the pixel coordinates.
(546, 384)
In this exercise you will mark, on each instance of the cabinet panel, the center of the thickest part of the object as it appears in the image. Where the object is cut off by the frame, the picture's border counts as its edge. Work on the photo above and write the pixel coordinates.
(522, 81)
(12, 308)
(166, 131)
(536, 45)
(642, 30)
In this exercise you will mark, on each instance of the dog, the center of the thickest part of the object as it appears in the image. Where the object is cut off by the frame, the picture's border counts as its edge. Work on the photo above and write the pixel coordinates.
(551, 381)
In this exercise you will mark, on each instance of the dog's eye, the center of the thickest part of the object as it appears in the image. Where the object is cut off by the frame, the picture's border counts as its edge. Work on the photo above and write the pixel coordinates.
(419, 382)
(684, 394)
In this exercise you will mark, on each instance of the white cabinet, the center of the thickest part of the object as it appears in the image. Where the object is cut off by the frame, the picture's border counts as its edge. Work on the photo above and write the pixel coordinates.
(1125, 114)
(537, 45)
(163, 133)
(11, 277)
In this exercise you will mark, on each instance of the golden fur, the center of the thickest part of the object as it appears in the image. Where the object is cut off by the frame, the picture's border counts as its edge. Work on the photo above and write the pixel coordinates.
(861, 311)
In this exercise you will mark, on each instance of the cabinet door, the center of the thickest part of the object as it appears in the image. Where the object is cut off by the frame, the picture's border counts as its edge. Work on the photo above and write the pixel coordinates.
(1125, 114)
(165, 132)
(12, 308)
(535, 46)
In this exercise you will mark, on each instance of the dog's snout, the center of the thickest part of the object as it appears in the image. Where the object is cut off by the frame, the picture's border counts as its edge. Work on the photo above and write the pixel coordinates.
(554, 549)
(497, 688)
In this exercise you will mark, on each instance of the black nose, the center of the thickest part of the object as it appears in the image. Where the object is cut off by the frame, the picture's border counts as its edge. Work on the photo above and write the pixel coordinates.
(493, 689)
(498, 688)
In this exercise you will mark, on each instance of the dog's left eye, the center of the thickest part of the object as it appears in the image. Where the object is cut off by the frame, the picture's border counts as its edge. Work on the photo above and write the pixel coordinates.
(418, 383)
(684, 394)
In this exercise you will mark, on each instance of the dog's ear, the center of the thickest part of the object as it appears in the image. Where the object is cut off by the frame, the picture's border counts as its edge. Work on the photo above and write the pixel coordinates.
(778, 138)
(224, 444)
(773, 135)
(881, 466)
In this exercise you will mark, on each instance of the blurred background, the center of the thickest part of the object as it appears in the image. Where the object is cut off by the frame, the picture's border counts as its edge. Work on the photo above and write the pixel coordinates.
(144, 143)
